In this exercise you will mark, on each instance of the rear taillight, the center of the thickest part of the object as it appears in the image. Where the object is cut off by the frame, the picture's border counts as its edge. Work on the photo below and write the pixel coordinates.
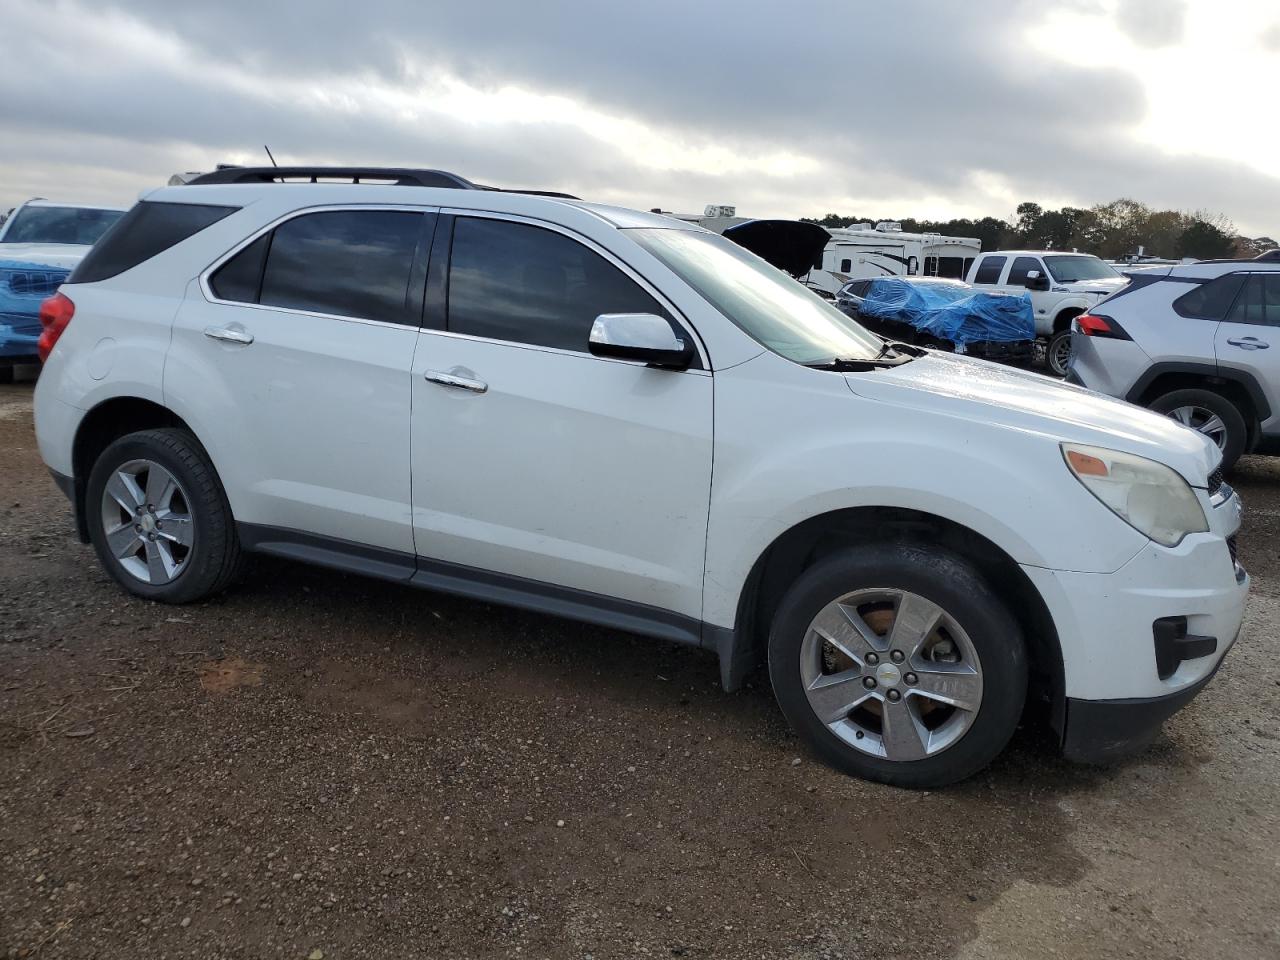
(55, 314)
(1096, 325)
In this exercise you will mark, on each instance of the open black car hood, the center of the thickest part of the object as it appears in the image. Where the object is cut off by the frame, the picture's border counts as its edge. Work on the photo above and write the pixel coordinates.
(789, 245)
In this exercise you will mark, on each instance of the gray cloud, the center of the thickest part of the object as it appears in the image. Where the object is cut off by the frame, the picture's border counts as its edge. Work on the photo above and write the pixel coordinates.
(1153, 23)
(895, 101)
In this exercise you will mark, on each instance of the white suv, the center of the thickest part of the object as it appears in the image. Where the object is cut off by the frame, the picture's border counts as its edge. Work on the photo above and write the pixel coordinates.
(622, 418)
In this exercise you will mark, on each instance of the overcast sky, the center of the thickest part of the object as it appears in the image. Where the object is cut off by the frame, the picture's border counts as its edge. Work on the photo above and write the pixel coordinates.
(925, 108)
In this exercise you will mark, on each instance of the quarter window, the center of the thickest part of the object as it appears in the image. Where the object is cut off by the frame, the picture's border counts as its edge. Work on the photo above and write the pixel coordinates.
(1212, 300)
(846, 266)
(1259, 302)
(1021, 267)
(520, 283)
(989, 270)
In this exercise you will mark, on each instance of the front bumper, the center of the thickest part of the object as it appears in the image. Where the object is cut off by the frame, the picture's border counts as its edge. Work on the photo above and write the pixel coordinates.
(1119, 682)
(1099, 731)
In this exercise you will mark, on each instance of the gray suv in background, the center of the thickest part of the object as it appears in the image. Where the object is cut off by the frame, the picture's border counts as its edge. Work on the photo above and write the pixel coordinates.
(1199, 342)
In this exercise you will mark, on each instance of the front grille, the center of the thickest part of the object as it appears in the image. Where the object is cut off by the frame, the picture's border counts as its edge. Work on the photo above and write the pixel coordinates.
(1215, 481)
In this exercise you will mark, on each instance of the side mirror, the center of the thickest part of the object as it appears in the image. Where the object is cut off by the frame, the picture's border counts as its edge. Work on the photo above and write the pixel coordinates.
(645, 337)
(1035, 281)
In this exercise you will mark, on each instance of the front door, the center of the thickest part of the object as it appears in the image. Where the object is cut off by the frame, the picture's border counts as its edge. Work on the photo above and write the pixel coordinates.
(533, 459)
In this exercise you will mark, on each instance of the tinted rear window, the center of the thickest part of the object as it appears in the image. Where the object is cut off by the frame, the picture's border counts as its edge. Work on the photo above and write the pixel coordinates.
(345, 263)
(989, 270)
(146, 230)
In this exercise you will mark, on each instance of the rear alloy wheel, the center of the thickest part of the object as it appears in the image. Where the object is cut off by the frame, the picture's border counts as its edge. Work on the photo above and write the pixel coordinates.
(1211, 414)
(1057, 355)
(159, 519)
(898, 663)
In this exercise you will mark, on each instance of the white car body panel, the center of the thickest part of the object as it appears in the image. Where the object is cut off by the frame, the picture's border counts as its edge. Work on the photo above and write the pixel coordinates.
(569, 469)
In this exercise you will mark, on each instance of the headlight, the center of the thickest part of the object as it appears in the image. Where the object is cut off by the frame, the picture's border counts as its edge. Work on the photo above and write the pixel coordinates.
(1152, 498)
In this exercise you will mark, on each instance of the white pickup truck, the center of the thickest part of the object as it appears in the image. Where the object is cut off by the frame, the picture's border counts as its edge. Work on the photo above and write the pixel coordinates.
(1062, 286)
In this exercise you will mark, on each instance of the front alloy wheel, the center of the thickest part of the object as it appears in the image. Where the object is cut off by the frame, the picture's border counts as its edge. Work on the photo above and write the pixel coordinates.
(891, 674)
(898, 662)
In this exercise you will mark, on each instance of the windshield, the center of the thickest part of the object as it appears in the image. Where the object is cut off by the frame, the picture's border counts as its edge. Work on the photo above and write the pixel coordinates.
(1075, 269)
(776, 311)
(82, 225)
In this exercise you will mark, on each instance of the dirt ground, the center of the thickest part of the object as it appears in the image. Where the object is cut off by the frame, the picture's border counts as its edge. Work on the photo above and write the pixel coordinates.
(317, 765)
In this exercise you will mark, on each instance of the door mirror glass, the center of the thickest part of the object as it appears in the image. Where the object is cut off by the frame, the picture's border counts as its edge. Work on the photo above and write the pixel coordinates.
(645, 337)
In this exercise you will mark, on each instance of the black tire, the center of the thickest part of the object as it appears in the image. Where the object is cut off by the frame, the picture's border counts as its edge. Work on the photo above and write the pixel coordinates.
(1237, 435)
(1056, 367)
(947, 580)
(215, 558)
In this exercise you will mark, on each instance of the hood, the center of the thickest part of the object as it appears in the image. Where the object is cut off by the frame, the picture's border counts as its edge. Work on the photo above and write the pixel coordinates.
(64, 255)
(1104, 287)
(789, 245)
(1002, 396)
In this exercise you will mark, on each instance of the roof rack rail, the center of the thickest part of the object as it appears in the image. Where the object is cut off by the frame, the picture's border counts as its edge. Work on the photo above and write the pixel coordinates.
(402, 177)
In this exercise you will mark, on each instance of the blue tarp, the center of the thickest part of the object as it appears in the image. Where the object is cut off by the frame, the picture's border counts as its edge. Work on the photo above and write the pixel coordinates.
(23, 287)
(949, 311)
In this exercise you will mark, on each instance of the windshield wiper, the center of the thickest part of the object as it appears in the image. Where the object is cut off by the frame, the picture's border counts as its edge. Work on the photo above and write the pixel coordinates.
(891, 355)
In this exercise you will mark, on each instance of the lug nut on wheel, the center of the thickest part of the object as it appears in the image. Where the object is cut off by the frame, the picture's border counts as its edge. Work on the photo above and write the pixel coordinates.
(894, 696)
(869, 682)
(897, 656)
(872, 659)
(911, 678)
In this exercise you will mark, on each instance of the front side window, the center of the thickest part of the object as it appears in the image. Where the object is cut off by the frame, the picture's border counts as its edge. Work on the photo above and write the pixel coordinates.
(1212, 300)
(773, 309)
(524, 284)
(1259, 301)
(345, 263)
(989, 270)
(1077, 269)
(77, 225)
(1022, 267)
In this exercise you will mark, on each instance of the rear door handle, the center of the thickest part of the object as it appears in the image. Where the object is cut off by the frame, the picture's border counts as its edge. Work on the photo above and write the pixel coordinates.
(1250, 343)
(462, 383)
(229, 334)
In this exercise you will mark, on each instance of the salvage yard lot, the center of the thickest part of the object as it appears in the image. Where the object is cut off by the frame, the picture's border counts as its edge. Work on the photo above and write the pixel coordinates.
(317, 764)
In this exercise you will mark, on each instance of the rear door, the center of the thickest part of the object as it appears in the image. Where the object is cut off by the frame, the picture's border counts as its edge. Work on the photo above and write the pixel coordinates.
(1248, 339)
(294, 355)
(533, 459)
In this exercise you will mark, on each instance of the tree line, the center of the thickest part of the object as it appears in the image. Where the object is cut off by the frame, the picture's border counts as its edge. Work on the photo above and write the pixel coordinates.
(1110, 230)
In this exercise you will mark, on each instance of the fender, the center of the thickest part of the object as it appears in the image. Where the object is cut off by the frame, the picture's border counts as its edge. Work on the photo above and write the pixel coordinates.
(1207, 370)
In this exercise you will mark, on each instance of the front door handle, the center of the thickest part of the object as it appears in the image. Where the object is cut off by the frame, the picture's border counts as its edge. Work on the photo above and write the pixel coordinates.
(462, 383)
(229, 334)
(1250, 343)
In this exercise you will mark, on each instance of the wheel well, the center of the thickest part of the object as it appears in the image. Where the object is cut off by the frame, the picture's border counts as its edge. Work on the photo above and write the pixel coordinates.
(803, 545)
(101, 427)
(1063, 320)
(1230, 389)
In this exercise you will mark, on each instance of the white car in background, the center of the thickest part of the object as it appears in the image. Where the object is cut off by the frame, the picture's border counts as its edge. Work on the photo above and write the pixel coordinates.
(40, 243)
(1062, 286)
(625, 419)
